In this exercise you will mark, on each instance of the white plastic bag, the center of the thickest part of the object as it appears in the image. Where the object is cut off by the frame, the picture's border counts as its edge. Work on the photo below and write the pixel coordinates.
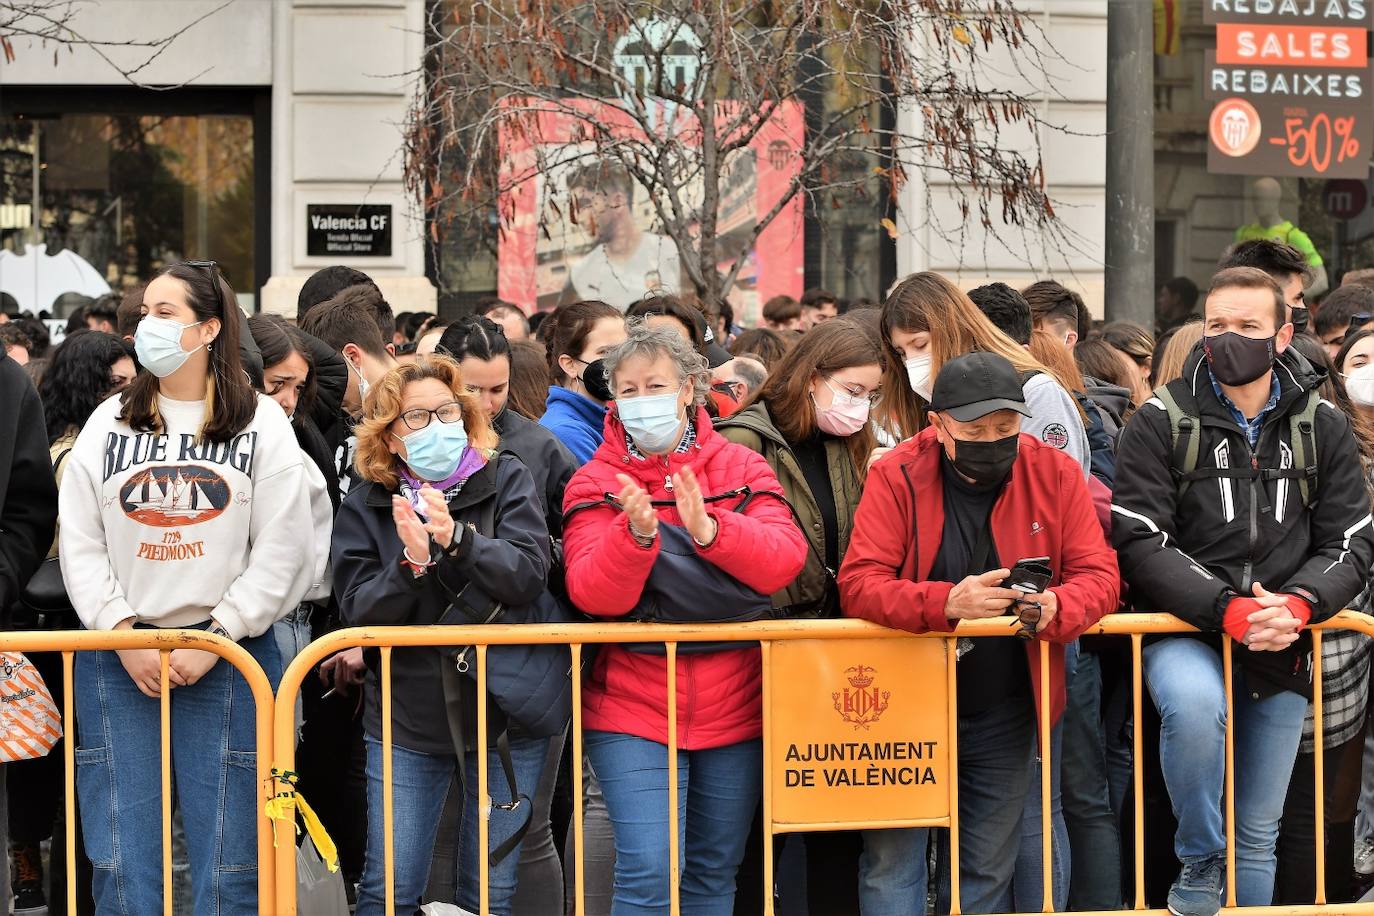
(319, 892)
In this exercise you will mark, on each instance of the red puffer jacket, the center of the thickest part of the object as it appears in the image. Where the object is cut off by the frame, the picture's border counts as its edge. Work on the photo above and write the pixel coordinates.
(718, 693)
(1045, 510)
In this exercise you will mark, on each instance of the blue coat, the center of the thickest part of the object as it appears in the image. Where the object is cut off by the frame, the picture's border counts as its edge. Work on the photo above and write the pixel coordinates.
(530, 684)
(577, 421)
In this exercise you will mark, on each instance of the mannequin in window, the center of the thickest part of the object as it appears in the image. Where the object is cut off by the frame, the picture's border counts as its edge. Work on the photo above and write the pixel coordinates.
(1265, 197)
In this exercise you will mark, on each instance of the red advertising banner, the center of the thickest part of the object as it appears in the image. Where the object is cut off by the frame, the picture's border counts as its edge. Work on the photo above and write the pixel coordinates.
(1291, 45)
(567, 237)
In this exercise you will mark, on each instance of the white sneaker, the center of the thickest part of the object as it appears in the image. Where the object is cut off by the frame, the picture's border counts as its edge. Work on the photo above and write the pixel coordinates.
(1364, 858)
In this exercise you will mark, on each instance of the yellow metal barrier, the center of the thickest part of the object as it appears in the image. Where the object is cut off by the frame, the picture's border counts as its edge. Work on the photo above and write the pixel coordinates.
(70, 642)
(275, 730)
(578, 636)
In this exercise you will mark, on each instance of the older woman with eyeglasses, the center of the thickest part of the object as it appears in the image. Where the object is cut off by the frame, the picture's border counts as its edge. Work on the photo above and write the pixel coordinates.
(447, 529)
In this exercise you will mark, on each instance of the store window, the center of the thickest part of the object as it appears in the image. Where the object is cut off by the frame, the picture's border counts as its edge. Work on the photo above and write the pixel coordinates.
(1316, 197)
(128, 192)
(532, 248)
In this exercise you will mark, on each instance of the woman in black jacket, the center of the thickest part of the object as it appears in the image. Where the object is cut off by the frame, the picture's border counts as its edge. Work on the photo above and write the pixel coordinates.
(484, 356)
(445, 529)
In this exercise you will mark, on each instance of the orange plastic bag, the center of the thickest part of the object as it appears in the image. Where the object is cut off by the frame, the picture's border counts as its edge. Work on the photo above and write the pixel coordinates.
(29, 721)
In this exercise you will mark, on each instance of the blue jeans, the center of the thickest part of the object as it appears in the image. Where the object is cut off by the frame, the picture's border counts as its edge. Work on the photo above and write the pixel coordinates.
(1028, 884)
(419, 785)
(718, 790)
(1094, 840)
(1185, 679)
(996, 753)
(214, 778)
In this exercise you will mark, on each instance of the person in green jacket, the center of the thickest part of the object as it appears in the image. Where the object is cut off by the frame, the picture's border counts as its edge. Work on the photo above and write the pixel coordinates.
(810, 422)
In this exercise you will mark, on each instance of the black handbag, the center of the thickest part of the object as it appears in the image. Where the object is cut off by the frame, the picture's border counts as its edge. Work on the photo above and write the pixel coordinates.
(683, 587)
(43, 600)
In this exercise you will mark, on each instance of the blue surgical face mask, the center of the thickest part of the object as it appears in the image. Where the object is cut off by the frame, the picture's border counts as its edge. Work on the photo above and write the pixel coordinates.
(652, 421)
(433, 453)
(158, 345)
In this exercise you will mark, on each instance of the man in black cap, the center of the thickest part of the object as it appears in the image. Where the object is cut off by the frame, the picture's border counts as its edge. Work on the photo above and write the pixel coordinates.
(943, 531)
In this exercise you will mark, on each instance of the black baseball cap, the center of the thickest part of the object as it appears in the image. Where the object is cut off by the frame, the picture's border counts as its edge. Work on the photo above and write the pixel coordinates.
(716, 355)
(976, 384)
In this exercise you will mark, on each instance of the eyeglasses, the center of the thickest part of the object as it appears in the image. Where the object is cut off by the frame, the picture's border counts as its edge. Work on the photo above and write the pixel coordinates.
(873, 398)
(418, 417)
(1357, 323)
(213, 268)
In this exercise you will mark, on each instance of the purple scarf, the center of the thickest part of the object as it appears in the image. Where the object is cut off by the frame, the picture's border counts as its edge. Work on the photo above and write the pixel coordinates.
(473, 460)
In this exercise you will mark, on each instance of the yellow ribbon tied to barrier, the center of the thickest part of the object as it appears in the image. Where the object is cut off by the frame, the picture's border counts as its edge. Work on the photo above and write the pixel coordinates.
(283, 807)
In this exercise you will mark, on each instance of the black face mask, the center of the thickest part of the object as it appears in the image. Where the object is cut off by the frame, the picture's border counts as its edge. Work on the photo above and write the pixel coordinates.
(1236, 359)
(985, 463)
(1301, 316)
(594, 379)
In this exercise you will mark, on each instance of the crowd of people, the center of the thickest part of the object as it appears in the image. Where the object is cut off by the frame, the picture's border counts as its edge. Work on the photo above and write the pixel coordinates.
(271, 480)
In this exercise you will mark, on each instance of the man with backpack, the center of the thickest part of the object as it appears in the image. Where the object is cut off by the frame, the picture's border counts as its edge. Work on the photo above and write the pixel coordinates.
(1240, 507)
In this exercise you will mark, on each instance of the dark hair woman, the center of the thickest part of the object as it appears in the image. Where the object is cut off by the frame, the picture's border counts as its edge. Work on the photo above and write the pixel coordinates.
(444, 529)
(484, 356)
(765, 343)
(529, 379)
(810, 422)
(581, 335)
(288, 376)
(663, 459)
(183, 505)
(85, 369)
(1138, 346)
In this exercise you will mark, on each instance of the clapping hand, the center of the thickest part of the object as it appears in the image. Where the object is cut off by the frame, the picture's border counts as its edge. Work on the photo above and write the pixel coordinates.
(410, 530)
(639, 509)
(691, 507)
(440, 525)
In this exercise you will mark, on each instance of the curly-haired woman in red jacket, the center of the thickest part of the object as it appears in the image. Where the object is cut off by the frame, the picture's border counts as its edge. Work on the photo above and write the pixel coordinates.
(660, 462)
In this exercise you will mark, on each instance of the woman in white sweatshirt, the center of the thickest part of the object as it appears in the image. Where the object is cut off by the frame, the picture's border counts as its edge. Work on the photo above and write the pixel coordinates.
(183, 505)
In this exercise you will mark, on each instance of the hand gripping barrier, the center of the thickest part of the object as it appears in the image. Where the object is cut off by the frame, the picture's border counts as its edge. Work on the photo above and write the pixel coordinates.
(275, 730)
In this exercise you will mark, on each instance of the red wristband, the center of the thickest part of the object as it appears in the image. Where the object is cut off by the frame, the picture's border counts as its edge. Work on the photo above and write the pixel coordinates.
(1234, 621)
(1301, 609)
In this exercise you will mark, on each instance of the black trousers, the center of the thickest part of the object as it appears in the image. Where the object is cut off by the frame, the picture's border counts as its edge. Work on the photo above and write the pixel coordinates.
(1295, 880)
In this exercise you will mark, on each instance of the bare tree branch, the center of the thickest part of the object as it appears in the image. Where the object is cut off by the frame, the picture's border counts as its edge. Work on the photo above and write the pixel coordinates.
(50, 23)
(973, 73)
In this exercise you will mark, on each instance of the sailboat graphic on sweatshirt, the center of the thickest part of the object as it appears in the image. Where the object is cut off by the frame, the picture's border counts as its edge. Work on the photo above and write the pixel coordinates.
(171, 496)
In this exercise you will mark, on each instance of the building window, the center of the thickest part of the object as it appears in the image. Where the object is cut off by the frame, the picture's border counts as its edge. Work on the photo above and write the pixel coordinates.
(130, 191)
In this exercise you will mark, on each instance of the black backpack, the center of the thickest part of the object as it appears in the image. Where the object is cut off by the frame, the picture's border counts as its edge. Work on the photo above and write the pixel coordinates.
(1184, 429)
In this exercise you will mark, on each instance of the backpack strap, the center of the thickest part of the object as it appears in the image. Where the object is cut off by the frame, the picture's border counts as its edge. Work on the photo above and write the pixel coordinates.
(1303, 433)
(1184, 434)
